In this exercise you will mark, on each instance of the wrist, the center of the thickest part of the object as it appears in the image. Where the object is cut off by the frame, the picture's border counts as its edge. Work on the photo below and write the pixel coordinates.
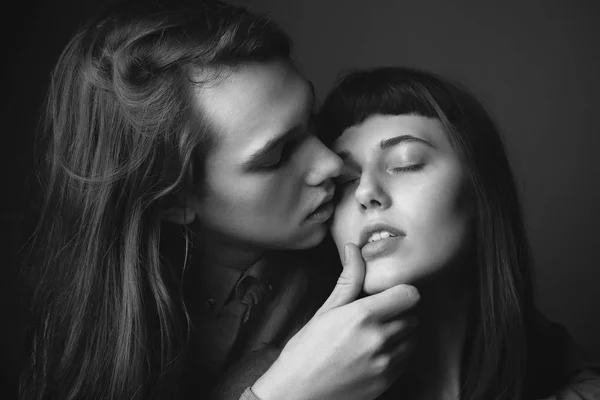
(265, 388)
(249, 395)
(274, 384)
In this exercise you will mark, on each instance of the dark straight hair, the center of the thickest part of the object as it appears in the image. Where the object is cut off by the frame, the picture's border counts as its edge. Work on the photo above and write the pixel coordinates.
(495, 361)
(120, 138)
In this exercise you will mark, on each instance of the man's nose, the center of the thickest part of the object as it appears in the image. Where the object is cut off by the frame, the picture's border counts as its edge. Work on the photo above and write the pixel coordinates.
(325, 163)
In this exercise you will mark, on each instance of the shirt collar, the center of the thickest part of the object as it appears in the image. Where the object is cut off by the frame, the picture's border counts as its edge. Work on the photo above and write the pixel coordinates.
(218, 282)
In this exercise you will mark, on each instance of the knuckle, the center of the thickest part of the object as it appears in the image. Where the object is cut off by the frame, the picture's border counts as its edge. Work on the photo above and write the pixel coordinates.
(378, 341)
(381, 384)
(364, 313)
(405, 326)
(344, 280)
(382, 364)
(405, 348)
(397, 327)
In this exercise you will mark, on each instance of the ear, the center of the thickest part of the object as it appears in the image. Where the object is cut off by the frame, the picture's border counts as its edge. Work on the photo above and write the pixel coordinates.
(180, 215)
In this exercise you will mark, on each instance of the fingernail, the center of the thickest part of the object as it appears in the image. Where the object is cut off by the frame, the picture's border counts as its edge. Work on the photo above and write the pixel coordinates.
(346, 253)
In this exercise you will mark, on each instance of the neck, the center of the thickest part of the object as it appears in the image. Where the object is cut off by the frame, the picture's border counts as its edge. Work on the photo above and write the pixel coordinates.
(443, 319)
(217, 249)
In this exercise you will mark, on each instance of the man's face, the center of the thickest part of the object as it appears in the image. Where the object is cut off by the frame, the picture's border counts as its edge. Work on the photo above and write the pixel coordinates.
(402, 198)
(267, 182)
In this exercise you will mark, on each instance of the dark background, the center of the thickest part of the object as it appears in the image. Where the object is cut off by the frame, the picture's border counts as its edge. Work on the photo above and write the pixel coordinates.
(535, 63)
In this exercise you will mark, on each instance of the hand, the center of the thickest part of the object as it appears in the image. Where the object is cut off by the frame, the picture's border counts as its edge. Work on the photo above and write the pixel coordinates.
(351, 349)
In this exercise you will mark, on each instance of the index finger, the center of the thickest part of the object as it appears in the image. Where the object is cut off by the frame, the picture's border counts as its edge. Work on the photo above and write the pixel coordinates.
(391, 302)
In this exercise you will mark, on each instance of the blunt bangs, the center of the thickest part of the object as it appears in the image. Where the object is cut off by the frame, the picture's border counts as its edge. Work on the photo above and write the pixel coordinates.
(387, 91)
(496, 360)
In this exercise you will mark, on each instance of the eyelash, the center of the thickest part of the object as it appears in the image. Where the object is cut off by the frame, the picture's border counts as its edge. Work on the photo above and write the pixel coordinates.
(408, 168)
(286, 151)
(275, 165)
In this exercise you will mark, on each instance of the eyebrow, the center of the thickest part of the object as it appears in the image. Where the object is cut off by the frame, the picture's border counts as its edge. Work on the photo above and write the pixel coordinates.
(272, 143)
(396, 140)
(391, 142)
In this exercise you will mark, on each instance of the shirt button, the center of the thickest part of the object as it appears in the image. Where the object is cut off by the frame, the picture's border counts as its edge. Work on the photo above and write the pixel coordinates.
(210, 304)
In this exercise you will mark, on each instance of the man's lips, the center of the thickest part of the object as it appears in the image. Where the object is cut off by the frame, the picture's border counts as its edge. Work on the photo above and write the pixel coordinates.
(325, 208)
(322, 213)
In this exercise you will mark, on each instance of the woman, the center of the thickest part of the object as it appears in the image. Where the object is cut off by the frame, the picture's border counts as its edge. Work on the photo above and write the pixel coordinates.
(185, 114)
(428, 195)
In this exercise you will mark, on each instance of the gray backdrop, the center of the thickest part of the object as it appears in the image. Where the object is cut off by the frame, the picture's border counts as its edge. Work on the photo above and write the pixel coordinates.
(536, 65)
(534, 62)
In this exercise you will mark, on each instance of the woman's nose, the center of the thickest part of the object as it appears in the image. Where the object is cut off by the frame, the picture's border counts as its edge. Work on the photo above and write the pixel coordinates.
(370, 194)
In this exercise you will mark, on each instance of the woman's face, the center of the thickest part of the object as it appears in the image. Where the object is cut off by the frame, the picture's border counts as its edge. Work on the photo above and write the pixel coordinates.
(403, 199)
(268, 181)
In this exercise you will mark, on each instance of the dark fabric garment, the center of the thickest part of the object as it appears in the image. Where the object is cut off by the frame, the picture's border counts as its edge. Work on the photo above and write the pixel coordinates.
(559, 369)
(244, 373)
(561, 374)
(226, 303)
(265, 306)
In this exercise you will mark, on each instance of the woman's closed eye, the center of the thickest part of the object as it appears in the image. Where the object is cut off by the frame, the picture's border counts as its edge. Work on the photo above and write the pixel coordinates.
(407, 168)
(343, 181)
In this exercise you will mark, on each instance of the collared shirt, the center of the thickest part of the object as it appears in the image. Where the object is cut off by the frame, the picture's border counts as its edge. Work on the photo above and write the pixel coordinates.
(239, 311)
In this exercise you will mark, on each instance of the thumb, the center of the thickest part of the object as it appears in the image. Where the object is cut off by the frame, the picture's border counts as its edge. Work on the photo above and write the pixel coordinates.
(350, 282)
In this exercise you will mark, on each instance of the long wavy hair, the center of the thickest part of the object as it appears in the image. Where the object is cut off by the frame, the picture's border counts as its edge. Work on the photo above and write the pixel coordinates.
(495, 361)
(121, 138)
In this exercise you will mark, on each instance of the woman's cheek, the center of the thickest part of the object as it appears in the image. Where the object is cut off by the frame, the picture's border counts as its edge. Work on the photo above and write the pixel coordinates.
(340, 226)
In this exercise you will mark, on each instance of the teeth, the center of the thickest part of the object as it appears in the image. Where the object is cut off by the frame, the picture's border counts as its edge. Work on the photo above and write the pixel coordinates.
(374, 236)
(380, 235)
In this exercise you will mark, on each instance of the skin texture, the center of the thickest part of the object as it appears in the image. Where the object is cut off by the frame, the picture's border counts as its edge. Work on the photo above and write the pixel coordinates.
(417, 186)
(249, 204)
(262, 202)
(358, 362)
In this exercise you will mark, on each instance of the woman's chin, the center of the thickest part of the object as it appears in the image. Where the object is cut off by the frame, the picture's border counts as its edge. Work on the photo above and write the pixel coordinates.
(384, 274)
(374, 285)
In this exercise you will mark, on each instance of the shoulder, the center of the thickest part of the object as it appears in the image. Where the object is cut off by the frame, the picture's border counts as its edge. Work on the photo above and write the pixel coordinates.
(559, 369)
(585, 385)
